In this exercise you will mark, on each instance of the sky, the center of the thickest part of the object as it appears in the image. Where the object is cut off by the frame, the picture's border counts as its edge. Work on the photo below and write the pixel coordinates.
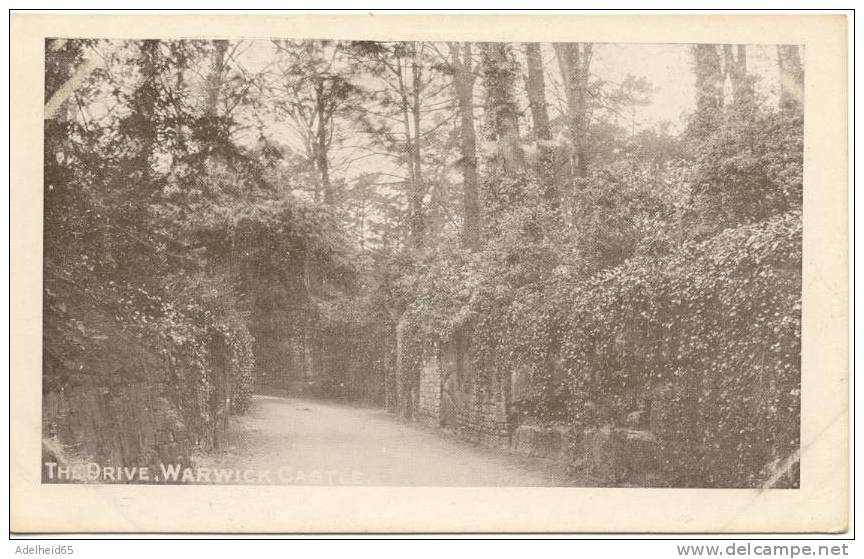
(668, 68)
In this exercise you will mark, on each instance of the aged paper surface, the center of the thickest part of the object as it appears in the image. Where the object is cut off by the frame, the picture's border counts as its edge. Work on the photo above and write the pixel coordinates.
(821, 504)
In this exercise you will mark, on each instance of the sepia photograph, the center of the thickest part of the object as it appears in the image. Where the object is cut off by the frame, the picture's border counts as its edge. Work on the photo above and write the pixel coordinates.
(316, 261)
(416, 263)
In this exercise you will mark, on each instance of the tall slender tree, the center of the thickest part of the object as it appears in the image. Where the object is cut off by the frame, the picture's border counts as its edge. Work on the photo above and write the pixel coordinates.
(394, 120)
(791, 77)
(418, 222)
(574, 62)
(500, 70)
(735, 68)
(311, 91)
(535, 85)
(463, 82)
(216, 76)
(708, 67)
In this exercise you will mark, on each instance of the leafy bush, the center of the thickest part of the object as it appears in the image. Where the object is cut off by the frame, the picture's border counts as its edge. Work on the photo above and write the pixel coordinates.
(749, 167)
(710, 334)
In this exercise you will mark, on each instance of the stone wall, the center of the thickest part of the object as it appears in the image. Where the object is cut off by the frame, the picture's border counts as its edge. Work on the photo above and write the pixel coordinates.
(552, 442)
(107, 396)
(446, 392)
(473, 405)
(486, 420)
(126, 425)
(429, 400)
(613, 456)
(405, 389)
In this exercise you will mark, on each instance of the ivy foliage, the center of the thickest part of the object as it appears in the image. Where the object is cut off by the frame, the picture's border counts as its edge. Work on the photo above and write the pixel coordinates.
(670, 287)
(170, 230)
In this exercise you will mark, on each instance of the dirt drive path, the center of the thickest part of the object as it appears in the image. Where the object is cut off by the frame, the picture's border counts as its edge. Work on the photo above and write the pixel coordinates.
(298, 441)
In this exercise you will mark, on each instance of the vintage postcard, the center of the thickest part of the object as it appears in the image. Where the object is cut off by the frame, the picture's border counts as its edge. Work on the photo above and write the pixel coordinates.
(409, 273)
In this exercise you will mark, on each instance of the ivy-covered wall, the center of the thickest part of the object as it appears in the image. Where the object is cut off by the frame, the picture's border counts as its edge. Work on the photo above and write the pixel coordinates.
(121, 390)
(700, 348)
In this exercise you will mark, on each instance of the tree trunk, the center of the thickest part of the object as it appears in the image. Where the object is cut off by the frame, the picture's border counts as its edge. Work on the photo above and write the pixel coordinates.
(321, 160)
(179, 86)
(214, 80)
(574, 61)
(144, 104)
(791, 77)
(418, 225)
(736, 68)
(463, 81)
(581, 119)
(415, 197)
(500, 70)
(535, 85)
(709, 85)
